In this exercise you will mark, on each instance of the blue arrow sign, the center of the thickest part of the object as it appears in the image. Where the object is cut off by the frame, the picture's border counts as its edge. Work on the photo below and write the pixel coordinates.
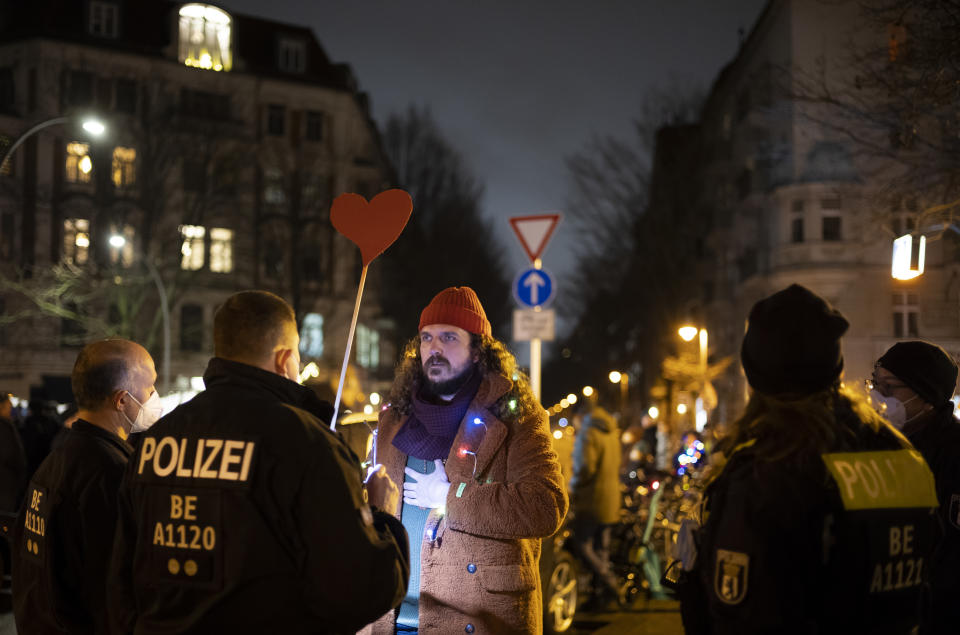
(533, 288)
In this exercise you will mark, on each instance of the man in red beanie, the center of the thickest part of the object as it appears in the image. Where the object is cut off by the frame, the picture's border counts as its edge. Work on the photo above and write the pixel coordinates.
(469, 441)
(912, 385)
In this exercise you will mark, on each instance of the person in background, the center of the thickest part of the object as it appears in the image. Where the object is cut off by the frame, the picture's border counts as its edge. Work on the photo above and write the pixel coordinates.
(914, 382)
(64, 531)
(798, 535)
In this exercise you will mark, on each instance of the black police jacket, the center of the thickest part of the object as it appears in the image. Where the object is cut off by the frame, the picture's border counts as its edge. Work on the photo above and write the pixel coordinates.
(938, 439)
(836, 543)
(64, 535)
(241, 512)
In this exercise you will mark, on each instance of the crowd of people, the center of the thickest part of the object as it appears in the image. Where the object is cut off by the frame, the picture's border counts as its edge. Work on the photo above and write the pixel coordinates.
(241, 511)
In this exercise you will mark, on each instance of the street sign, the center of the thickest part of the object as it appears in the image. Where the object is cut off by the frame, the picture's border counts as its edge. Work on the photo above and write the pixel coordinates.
(530, 324)
(534, 232)
(533, 287)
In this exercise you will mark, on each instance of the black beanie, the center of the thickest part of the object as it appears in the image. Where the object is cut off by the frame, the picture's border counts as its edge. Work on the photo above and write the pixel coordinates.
(792, 343)
(926, 368)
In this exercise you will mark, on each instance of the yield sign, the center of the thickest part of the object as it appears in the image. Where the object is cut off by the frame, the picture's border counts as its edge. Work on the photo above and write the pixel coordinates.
(534, 232)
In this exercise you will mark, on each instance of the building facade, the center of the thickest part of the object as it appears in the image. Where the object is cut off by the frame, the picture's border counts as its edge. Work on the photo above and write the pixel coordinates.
(787, 196)
(226, 139)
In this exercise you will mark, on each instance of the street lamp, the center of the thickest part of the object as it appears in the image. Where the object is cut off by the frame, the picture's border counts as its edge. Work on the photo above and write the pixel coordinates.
(616, 377)
(117, 241)
(91, 125)
(687, 333)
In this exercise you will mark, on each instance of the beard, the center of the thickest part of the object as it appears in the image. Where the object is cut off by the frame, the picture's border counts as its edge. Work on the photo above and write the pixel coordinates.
(449, 386)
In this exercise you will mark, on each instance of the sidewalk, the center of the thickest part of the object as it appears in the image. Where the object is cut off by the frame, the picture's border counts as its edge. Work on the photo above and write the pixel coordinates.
(656, 617)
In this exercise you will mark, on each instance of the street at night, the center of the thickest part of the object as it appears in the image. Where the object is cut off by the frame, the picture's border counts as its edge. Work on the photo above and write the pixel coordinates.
(496, 318)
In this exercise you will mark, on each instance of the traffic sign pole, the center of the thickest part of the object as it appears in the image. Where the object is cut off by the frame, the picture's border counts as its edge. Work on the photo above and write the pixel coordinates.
(535, 353)
(534, 233)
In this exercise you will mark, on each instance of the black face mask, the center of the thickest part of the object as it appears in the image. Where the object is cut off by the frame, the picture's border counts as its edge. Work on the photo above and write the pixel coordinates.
(448, 387)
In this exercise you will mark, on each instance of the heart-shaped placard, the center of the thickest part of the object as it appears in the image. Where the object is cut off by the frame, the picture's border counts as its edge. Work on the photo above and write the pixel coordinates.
(372, 226)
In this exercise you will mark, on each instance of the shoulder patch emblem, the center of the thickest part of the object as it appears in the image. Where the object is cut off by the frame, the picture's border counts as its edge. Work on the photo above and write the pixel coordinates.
(955, 511)
(730, 576)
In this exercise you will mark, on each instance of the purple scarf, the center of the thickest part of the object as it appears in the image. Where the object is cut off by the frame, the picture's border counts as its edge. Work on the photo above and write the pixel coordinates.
(429, 432)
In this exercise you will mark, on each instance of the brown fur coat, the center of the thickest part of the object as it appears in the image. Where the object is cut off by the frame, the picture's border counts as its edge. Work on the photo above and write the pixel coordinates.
(495, 518)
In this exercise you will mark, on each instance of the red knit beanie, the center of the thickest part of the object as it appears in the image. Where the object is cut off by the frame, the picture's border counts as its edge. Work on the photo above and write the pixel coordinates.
(458, 306)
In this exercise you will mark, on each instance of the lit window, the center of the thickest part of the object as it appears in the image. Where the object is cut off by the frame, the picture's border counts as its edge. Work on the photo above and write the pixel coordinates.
(205, 37)
(76, 240)
(79, 164)
(124, 167)
(103, 19)
(192, 248)
(273, 190)
(121, 245)
(221, 250)
(293, 55)
(311, 335)
(368, 347)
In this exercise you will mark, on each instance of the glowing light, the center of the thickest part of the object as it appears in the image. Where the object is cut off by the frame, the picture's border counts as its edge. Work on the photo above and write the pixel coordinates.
(571, 399)
(310, 370)
(374, 398)
(682, 408)
(681, 471)
(654, 412)
(477, 421)
(368, 409)
(462, 452)
(512, 404)
(633, 474)
(564, 404)
(615, 376)
(557, 434)
(588, 391)
(687, 333)
(563, 422)
(698, 445)
(655, 485)
(85, 164)
(117, 241)
(82, 240)
(903, 257)
(94, 127)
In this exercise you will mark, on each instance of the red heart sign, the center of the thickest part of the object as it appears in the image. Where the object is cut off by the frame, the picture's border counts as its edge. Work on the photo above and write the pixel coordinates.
(372, 226)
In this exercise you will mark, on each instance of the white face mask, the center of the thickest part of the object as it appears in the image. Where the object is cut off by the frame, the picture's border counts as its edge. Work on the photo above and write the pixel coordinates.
(150, 412)
(890, 408)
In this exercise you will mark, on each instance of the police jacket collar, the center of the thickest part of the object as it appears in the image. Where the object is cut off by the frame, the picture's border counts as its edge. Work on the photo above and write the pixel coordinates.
(82, 426)
(224, 372)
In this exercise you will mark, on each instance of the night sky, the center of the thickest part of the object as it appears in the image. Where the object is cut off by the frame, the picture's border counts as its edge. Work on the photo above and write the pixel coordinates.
(516, 86)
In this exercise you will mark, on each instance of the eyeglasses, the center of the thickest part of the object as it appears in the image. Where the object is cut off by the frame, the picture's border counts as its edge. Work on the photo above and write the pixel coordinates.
(885, 388)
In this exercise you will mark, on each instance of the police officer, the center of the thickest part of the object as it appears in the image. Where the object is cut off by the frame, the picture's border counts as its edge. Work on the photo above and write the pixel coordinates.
(64, 532)
(241, 512)
(915, 381)
(821, 519)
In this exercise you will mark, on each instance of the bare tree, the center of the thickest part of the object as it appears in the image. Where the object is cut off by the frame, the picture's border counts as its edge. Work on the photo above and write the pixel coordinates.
(448, 242)
(638, 246)
(893, 96)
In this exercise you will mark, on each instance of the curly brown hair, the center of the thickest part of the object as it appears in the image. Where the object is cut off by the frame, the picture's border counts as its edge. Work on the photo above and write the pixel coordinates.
(517, 404)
